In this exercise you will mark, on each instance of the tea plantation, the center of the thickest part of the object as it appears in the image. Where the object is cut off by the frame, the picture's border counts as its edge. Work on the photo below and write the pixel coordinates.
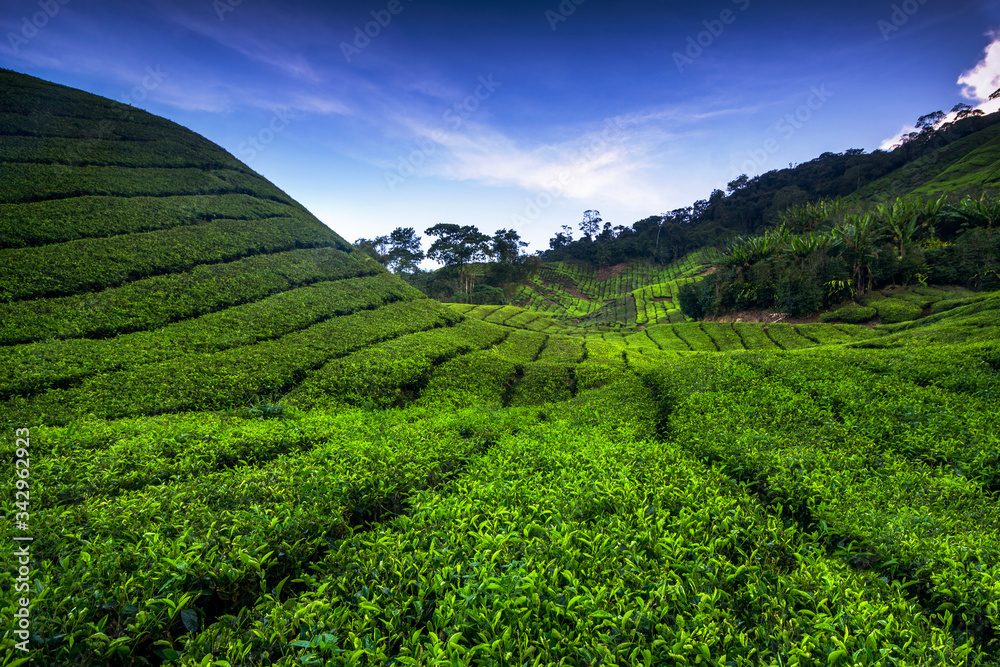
(250, 445)
(622, 296)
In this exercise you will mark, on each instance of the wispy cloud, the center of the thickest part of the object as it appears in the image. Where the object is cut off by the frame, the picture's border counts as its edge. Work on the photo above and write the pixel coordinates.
(247, 43)
(619, 160)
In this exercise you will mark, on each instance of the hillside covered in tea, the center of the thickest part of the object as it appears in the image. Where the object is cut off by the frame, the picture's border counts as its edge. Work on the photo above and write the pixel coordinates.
(252, 445)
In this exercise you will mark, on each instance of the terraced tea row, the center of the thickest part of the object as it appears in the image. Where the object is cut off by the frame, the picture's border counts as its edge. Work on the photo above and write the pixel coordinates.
(898, 476)
(61, 363)
(689, 337)
(56, 270)
(206, 542)
(61, 220)
(161, 300)
(625, 295)
(600, 546)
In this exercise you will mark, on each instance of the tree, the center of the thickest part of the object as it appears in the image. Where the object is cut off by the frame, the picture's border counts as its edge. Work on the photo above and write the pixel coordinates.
(738, 183)
(682, 215)
(995, 96)
(506, 246)
(591, 224)
(562, 239)
(458, 246)
(961, 111)
(405, 253)
(699, 209)
(928, 122)
(376, 248)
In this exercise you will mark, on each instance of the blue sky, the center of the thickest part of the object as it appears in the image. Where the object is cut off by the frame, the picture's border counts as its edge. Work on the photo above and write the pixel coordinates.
(518, 115)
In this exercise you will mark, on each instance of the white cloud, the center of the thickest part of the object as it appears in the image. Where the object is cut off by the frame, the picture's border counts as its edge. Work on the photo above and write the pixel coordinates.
(984, 79)
(888, 144)
(977, 84)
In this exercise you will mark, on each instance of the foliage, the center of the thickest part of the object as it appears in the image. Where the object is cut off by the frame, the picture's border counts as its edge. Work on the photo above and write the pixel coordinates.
(901, 242)
(896, 310)
(853, 314)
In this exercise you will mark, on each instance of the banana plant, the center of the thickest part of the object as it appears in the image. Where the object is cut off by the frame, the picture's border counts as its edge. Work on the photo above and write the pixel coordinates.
(905, 230)
(982, 212)
(746, 252)
(858, 236)
(805, 246)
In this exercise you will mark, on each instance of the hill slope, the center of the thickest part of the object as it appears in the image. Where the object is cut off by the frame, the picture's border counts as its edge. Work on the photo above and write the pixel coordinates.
(971, 163)
(146, 270)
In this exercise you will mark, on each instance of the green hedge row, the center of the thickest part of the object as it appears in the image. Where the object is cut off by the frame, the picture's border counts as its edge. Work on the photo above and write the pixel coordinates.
(155, 302)
(600, 350)
(935, 410)
(787, 337)
(753, 336)
(502, 314)
(60, 363)
(695, 337)
(852, 313)
(667, 339)
(160, 153)
(94, 264)
(562, 350)
(34, 182)
(823, 334)
(640, 340)
(838, 457)
(60, 220)
(222, 541)
(723, 335)
(218, 380)
(395, 371)
(544, 382)
(892, 311)
(569, 542)
(484, 377)
(112, 127)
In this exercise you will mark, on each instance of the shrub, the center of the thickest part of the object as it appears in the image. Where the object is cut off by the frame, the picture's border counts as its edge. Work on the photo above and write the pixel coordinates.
(696, 299)
(488, 295)
(853, 314)
(948, 304)
(897, 310)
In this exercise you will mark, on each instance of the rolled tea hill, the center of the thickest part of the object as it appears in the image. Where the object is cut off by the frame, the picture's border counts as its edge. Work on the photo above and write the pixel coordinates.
(144, 270)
